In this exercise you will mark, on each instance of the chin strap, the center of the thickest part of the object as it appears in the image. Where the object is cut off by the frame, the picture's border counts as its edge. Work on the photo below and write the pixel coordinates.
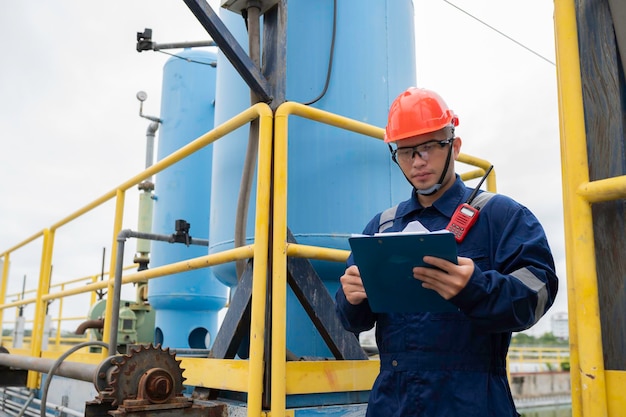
(432, 190)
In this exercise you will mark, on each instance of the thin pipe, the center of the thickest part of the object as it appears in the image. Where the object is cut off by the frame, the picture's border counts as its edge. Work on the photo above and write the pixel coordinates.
(57, 363)
(245, 188)
(126, 233)
(150, 134)
(182, 45)
(10, 405)
(119, 269)
(14, 393)
(117, 291)
(26, 404)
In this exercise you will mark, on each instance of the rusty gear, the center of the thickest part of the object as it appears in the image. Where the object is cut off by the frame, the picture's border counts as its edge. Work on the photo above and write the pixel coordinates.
(148, 371)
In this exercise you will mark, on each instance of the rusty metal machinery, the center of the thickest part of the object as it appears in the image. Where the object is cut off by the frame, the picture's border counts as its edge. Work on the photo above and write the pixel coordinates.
(147, 380)
(147, 374)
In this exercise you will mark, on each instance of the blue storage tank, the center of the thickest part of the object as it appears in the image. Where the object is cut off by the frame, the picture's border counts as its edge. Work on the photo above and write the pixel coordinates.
(186, 304)
(337, 180)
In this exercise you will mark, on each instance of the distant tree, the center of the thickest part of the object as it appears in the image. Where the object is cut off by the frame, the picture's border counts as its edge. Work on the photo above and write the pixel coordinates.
(523, 339)
(546, 339)
(549, 339)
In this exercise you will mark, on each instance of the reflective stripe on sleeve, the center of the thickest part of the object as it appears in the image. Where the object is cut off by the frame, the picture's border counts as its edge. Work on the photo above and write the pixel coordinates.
(531, 281)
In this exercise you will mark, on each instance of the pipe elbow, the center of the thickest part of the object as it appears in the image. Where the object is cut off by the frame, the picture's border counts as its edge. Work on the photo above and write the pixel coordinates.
(90, 324)
(124, 234)
(153, 127)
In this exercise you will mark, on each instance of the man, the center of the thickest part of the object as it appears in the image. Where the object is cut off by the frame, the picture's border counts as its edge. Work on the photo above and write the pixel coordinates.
(451, 364)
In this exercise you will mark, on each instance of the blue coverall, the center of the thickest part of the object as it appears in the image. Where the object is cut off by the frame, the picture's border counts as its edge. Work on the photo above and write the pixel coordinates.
(453, 364)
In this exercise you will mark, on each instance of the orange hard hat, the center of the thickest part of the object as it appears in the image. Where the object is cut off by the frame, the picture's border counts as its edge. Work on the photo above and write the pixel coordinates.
(417, 111)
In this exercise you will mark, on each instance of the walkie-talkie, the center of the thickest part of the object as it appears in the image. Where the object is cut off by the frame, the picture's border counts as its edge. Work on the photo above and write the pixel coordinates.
(465, 215)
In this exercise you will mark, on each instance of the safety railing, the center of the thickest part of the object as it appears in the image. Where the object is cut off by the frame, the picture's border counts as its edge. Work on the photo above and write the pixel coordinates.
(23, 299)
(258, 250)
(550, 356)
(300, 377)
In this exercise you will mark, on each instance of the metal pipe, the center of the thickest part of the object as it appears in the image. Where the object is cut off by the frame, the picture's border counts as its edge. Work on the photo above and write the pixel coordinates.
(146, 202)
(26, 403)
(16, 406)
(14, 393)
(117, 291)
(150, 133)
(253, 10)
(182, 45)
(119, 268)
(89, 324)
(57, 364)
(125, 234)
(73, 370)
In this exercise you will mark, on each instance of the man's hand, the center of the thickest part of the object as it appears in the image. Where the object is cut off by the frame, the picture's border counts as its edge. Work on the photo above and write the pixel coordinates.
(353, 286)
(449, 279)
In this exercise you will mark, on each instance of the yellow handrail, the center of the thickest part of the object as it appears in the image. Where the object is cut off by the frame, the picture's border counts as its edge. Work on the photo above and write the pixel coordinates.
(539, 354)
(259, 249)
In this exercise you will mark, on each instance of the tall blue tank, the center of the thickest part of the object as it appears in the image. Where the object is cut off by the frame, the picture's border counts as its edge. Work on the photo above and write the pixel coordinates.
(186, 304)
(337, 180)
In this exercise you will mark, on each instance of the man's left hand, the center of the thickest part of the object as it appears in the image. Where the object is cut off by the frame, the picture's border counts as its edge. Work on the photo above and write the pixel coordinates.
(449, 279)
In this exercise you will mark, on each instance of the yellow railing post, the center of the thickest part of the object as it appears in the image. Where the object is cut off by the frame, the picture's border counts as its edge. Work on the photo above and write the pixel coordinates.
(57, 340)
(589, 395)
(92, 297)
(279, 265)
(6, 259)
(41, 305)
(260, 266)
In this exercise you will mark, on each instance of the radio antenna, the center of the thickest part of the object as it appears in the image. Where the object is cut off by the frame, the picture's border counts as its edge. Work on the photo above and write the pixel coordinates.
(471, 197)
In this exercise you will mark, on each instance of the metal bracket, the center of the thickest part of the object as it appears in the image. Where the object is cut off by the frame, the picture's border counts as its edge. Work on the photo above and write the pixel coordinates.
(231, 48)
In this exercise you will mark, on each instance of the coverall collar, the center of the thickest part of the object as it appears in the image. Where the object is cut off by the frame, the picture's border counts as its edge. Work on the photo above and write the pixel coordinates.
(446, 204)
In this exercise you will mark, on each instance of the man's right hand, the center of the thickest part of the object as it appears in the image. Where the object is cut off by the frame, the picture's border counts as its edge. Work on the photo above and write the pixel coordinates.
(353, 286)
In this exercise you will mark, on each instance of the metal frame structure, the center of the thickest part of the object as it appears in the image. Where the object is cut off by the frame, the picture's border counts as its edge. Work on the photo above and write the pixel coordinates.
(596, 391)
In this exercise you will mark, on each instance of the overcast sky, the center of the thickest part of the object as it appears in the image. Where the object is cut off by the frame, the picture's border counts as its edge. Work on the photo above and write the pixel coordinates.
(71, 130)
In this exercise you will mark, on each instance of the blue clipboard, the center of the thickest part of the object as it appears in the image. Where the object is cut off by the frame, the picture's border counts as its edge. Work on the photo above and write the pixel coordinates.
(386, 263)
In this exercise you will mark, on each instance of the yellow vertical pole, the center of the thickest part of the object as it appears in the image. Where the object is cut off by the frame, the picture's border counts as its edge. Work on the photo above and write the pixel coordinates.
(117, 228)
(261, 251)
(589, 393)
(57, 340)
(93, 299)
(6, 259)
(40, 306)
(279, 259)
(574, 360)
